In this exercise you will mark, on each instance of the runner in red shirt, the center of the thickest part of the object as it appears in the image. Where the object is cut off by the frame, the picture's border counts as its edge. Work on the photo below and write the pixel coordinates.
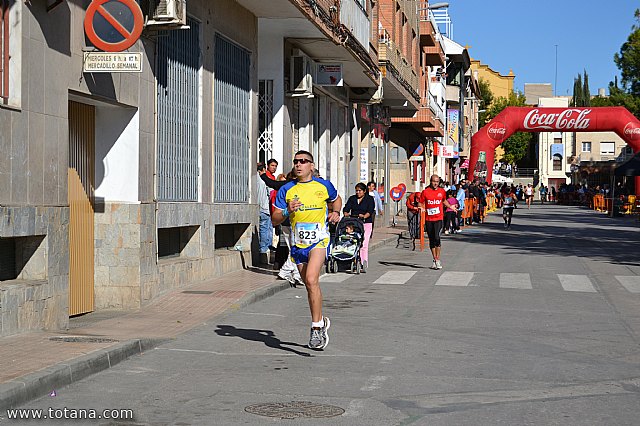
(433, 200)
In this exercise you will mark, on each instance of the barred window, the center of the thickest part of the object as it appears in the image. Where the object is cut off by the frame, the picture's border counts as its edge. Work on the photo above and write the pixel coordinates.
(4, 51)
(232, 91)
(178, 82)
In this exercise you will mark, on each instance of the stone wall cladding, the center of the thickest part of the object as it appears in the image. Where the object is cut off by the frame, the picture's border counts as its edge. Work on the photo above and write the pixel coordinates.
(117, 259)
(169, 274)
(37, 304)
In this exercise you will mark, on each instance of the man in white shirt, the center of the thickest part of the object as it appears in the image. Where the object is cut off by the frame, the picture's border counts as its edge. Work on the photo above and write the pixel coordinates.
(373, 191)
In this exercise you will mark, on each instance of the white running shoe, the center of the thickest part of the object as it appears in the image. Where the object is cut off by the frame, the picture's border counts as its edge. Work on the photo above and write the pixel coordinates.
(434, 265)
(319, 338)
(438, 264)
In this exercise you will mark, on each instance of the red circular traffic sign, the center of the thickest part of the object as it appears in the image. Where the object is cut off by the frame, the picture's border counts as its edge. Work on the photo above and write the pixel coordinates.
(130, 36)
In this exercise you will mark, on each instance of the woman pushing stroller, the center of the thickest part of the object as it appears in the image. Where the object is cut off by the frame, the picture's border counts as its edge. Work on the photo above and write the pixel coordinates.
(362, 206)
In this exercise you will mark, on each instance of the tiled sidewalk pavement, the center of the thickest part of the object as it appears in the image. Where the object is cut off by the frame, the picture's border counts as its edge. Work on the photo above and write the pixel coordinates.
(34, 364)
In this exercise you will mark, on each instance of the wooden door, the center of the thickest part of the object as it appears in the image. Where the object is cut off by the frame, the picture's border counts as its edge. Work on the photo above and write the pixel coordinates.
(81, 206)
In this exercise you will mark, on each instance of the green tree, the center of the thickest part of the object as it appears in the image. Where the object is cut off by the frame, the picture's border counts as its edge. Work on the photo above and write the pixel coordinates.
(486, 99)
(577, 99)
(515, 147)
(628, 59)
(586, 93)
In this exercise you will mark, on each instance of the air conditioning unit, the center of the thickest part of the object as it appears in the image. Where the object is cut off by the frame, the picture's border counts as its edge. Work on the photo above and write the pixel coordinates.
(167, 13)
(301, 76)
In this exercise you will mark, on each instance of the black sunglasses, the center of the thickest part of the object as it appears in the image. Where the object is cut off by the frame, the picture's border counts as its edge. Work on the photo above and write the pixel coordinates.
(301, 161)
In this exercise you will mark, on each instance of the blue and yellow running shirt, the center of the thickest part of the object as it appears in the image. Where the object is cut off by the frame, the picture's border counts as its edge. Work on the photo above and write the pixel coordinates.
(309, 223)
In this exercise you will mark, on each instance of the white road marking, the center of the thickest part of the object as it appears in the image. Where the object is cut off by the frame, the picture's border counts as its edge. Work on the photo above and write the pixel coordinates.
(395, 277)
(313, 353)
(263, 314)
(354, 409)
(463, 399)
(630, 283)
(374, 382)
(335, 278)
(580, 283)
(515, 280)
(455, 279)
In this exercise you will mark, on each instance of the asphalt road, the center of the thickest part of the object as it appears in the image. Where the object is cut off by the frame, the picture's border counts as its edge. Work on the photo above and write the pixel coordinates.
(537, 325)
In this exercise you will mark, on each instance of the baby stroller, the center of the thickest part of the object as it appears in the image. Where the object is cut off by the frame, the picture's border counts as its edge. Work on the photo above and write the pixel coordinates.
(345, 247)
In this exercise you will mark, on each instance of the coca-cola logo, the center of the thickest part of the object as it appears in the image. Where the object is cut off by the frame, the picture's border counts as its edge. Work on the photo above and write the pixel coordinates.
(497, 131)
(569, 119)
(631, 131)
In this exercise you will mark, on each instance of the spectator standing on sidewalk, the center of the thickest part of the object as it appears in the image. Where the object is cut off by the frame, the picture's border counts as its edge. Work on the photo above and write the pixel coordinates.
(310, 203)
(373, 191)
(433, 200)
(450, 214)
(413, 216)
(543, 193)
(272, 166)
(288, 269)
(461, 197)
(265, 230)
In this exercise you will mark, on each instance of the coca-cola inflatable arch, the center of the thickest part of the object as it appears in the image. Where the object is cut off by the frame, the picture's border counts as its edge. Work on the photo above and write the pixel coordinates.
(527, 119)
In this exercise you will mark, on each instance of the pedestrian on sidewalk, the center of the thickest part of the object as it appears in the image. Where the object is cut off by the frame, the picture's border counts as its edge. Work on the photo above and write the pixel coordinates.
(310, 203)
(272, 166)
(373, 191)
(461, 197)
(265, 230)
(450, 214)
(362, 206)
(432, 200)
(288, 269)
(413, 216)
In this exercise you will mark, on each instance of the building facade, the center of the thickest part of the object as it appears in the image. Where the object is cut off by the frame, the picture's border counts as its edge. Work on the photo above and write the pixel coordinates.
(122, 186)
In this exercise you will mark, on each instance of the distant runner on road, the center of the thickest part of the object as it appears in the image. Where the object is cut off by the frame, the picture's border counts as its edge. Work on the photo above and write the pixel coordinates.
(309, 202)
(509, 204)
(432, 200)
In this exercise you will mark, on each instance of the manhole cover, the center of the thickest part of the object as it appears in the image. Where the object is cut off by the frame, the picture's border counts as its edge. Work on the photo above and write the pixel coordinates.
(197, 292)
(82, 339)
(294, 410)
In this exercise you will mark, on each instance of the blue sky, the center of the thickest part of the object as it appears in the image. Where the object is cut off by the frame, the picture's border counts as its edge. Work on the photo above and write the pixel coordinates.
(522, 34)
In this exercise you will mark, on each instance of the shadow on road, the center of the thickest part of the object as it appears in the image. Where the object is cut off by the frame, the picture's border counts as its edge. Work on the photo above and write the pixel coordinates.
(265, 336)
(561, 231)
(408, 265)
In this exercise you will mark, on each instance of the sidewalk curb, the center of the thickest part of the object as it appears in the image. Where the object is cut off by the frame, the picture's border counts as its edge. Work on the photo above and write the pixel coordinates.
(37, 384)
(42, 382)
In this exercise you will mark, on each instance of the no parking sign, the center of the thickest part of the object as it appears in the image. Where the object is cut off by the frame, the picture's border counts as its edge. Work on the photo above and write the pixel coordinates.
(113, 25)
(398, 192)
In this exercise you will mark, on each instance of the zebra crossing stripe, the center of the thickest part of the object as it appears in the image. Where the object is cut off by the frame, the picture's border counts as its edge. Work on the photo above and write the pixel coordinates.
(395, 277)
(580, 283)
(455, 279)
(335, 278)
(630, 283)
(515, 280)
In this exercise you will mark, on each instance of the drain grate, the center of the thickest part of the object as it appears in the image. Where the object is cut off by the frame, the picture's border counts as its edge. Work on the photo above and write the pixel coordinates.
(294, 410)
(82, 339)
(197, 292)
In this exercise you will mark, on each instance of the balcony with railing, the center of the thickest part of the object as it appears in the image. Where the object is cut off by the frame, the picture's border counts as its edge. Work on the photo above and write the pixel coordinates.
(428, 28)
(353, 15)
(393, 62)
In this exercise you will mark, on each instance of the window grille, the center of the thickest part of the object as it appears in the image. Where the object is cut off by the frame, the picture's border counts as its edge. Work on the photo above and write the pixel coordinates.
(178, 113)
(232, 70)
(265, 120)
(4, 51)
